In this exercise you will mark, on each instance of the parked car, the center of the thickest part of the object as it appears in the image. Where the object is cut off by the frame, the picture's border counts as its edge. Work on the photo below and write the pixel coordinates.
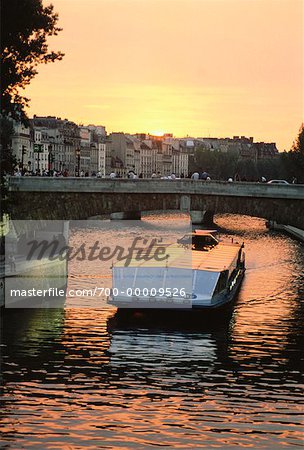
(278, 182)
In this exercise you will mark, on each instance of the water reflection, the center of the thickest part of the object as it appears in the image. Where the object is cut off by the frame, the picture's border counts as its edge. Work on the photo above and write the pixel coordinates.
(79, 379)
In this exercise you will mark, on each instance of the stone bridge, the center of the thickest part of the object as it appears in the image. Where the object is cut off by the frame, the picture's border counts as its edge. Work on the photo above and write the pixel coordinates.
(80, 198)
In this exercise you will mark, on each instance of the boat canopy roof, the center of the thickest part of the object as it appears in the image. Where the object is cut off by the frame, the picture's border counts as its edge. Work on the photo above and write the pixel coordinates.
(221, 257)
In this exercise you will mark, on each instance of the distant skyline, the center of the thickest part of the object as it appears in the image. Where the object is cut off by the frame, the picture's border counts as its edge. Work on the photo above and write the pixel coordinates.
(187, 67)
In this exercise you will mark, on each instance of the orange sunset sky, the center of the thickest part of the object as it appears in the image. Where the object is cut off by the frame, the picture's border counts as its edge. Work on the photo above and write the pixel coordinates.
(189, 67)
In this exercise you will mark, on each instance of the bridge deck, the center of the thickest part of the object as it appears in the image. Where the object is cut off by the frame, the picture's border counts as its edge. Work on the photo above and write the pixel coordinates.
(155, 186)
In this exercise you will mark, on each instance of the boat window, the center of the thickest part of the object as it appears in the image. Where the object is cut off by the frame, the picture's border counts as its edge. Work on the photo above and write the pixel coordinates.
(222, 282)
(178, 279)
(205, 282)
(131, 277)
(152, 277)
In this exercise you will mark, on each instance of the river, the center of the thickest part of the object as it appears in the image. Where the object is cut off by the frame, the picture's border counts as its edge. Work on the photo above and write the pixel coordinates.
(71, 381)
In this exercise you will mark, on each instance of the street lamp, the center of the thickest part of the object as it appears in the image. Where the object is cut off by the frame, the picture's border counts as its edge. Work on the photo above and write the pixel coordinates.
(78, 161)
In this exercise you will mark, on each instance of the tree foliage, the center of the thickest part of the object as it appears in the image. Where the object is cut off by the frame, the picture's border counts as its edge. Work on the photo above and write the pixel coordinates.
(25, 26)
(293, 160)
(298, 145)
(217, 164)
(221, 166)
(7, 160)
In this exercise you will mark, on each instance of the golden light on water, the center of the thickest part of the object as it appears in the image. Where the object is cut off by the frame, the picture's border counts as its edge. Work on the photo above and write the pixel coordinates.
(76, 376)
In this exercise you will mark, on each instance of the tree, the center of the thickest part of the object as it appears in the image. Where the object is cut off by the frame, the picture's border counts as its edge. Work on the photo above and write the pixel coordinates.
(293, 160)
(25, 26)
(219, 165)
(7, 160)
(298, 145)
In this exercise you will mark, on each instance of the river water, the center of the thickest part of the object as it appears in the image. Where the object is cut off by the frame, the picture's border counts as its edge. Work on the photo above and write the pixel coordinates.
(72, 381)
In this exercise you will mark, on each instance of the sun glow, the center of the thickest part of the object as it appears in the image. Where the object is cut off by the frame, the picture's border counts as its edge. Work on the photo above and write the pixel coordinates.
(157, 133)
(242, 80)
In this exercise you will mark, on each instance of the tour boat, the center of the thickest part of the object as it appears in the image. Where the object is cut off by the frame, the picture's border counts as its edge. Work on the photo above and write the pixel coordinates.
(201, 276)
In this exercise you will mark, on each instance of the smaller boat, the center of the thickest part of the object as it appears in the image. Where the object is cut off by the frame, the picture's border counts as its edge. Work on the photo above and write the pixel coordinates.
(202, 276)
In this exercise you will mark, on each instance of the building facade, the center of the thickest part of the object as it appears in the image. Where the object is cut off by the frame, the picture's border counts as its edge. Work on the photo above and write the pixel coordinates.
(51, 143)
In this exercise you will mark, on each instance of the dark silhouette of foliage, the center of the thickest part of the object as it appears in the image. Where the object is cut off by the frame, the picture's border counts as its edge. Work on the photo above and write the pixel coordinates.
(25, 27)
(298, 145)
(7, 160)
(221, 166)
(217, 164)
(293, 161)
